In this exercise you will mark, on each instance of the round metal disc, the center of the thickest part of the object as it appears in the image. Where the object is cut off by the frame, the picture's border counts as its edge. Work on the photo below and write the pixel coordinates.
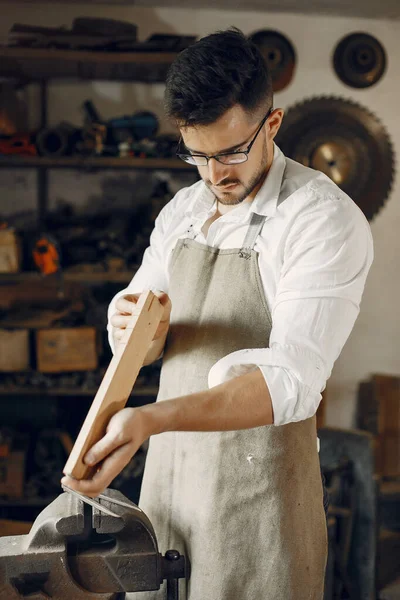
(359, 60)
(346, 142)
(278, 53)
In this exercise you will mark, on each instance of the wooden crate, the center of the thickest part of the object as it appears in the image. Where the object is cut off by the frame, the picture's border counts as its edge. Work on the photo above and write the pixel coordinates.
(66, 349)
(379, 413)
(12, 474)
(321, 411)
(14, 349)
(10, 252)
(387, 391)
(10, 527)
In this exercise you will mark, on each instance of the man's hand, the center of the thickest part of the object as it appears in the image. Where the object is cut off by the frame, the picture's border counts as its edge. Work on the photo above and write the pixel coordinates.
(126, 432)
(124, 309)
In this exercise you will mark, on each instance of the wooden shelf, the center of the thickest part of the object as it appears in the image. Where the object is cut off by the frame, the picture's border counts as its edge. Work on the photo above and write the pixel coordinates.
(29, 391)
(40, 64)
(89, 163)
(36, 502)
(102, 277)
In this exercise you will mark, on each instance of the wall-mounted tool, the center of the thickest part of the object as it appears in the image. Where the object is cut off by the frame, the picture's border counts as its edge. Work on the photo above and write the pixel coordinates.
(345, 141)
(279, 55)
(359, 60)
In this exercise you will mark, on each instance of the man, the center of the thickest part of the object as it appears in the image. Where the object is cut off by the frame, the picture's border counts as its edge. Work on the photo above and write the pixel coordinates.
(261, 267)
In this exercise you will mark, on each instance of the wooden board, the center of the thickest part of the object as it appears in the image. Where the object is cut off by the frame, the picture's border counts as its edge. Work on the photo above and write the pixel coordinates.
(35, 317)
(118, 381)
(43, 291)
(36, 64)
(66, 349)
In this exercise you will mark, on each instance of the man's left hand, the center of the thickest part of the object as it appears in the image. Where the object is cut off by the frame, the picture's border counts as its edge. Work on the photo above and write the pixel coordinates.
(126, 432)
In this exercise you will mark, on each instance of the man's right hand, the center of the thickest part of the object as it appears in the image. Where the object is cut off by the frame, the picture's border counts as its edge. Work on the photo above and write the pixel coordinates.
(124, 309)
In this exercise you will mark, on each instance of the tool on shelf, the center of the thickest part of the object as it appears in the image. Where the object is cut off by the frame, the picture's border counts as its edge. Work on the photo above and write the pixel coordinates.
(46, 254)
(47, 258)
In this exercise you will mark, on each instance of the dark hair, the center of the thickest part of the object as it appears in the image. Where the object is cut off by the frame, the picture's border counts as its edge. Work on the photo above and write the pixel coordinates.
(214, 74)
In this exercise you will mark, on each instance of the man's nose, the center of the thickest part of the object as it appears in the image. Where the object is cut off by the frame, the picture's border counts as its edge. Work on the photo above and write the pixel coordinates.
(217, 172)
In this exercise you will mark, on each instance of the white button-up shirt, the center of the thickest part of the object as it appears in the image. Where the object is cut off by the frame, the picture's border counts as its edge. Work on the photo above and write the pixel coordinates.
(314, 254)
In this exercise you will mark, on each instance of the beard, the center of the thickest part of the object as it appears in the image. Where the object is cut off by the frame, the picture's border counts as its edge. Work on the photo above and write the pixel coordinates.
(243, 189)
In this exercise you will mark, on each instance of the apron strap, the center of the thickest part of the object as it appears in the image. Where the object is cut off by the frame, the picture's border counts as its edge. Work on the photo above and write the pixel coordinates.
(256, 224)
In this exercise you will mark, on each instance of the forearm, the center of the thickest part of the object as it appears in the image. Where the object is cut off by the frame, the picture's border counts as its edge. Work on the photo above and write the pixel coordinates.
(241, 403)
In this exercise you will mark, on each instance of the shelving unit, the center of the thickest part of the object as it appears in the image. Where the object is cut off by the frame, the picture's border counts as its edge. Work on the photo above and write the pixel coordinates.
(25, 502)
(93, 162)
(4, 391)
(101, 277)
(38, 66)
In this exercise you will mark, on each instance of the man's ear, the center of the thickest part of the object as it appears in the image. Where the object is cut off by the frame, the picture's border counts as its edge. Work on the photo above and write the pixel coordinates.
(274, 122)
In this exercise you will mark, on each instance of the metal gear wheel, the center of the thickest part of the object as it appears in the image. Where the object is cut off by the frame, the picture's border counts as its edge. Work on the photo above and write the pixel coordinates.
(346, 142)
(359, 60)
(278, 53)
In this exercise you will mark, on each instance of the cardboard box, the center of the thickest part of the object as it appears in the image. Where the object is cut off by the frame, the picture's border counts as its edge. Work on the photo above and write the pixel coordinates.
(10, 252)
(10, 527)
(66, 349)
(388, 455)
(14, 350)
(379, 413)
(12, 474)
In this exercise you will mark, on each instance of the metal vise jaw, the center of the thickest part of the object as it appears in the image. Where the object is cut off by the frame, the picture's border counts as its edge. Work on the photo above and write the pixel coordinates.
(76, 552)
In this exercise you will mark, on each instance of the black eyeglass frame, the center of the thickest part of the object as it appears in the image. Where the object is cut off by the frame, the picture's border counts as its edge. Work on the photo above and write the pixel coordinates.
(215, 156)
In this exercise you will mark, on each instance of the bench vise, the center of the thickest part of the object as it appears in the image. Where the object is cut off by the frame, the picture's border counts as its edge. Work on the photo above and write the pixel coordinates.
(77, 552)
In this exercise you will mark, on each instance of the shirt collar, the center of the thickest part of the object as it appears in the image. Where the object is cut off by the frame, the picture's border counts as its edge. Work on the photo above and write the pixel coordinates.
(203, 204)
(266, 200)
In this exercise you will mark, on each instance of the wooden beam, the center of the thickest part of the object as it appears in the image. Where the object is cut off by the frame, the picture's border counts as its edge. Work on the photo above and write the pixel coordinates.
(93, 162)
(117, 382)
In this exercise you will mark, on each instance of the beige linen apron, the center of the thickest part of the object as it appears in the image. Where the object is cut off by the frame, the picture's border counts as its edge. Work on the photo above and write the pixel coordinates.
(245, 507)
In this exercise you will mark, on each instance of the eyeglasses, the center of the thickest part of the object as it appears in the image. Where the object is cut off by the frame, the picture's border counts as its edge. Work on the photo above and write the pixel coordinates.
(226, 158)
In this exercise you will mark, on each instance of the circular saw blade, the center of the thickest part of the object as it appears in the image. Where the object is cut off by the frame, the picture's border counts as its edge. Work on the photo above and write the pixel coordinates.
(359, 60)
(346, 142)
(279, 54)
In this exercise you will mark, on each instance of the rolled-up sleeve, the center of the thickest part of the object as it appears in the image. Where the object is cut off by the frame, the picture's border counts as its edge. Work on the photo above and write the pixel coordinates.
(325, 256)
